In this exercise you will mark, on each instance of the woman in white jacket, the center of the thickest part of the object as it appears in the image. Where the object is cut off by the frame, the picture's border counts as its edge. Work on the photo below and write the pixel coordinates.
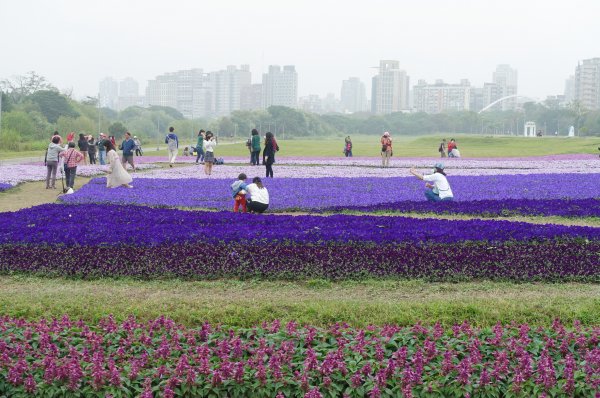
(117, 175)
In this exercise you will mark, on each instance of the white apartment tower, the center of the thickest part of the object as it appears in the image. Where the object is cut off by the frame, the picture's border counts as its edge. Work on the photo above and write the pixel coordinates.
(280, 87)
(504, 83)
(390, 89)
(587, 83)
(187, 91)
(226, 87)
(353, 95)
(109, 93)
(442, 97)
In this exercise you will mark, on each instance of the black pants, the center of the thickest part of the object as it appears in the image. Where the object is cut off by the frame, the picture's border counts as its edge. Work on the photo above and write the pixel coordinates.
(70, 173)
(256, 207)
(138, 152)
(92, 157)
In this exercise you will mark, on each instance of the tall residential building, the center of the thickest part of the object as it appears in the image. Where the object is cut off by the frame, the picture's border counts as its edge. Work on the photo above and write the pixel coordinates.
(129, 87)
(188, 91)
(280, 87)
(390, 88)
(504, 83)
(587, 83)
(109, 93)
(226, 87)
(570, 89)
(251, 97)
(353, 95)
(442, 97)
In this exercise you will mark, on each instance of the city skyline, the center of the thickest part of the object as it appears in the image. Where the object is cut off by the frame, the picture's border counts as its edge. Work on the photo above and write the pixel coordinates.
(76, 44)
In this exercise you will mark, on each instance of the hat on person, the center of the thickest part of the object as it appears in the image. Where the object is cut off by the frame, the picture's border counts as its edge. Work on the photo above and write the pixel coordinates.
(386, 134)
(439, 166)
(135, 136)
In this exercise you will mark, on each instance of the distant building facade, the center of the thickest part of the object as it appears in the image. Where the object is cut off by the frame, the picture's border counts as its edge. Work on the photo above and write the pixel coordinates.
(587, 83)
(442, 97)
(504, 83)
(390, 89)
(251, 97)
(109, 93)
(280, 87)
(353, 96)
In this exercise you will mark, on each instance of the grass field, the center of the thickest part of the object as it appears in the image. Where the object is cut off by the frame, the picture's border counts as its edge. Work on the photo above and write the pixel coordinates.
(404, 146)
(318, 302)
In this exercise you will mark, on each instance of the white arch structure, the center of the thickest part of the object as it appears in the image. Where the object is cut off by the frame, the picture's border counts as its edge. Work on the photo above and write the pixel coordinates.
(503, 99)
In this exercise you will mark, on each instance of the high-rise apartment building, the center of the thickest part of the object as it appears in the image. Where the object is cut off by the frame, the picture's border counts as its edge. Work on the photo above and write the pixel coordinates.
(109, 93)
(129, 87)
(390, 88)
(188, 91)
(570, 89)
(504, 83)
(251, 97)
(353, 95)
(280, 87)
(442, 97)
(226, 87)
(587, 83)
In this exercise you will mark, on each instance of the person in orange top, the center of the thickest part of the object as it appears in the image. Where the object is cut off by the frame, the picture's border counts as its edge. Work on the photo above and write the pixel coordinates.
(386, 149)
(71, 156)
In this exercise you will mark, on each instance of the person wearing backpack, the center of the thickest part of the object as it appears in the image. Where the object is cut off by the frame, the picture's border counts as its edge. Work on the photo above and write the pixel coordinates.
(172, 145)
(255, 147)
(386, 149)
(72, 158)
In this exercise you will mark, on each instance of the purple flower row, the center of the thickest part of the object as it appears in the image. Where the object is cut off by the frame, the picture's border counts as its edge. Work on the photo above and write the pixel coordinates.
(4, 186)
(275, 360)
(489, 208)
(323, 193)
(145, 226)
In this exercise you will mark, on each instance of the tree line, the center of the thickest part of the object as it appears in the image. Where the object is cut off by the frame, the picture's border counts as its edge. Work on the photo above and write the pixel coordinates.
(32, 109)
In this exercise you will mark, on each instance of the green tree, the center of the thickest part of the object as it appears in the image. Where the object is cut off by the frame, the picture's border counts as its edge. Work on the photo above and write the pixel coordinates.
(117, 129)
(21, 87)
(52, 105)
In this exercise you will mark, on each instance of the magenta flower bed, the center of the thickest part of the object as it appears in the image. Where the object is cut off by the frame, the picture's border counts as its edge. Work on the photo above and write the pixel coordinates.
(160, 358)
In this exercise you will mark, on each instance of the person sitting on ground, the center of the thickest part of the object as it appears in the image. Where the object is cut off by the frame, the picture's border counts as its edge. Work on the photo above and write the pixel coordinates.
(239, 194)
(440, 189)
(186, 151)
(259, 196)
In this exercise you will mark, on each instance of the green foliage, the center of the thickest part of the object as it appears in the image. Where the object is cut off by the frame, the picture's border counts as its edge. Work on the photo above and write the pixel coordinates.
(52, 105)
(171, 112)
(6, 103)
(117, 129)
(81, 124)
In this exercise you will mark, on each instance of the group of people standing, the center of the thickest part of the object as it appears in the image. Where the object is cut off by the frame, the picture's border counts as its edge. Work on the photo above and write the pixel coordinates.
(450, 150)
(88, 148)
(268, 153)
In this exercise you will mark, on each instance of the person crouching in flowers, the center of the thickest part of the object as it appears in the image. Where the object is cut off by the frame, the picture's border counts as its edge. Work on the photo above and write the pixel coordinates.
(239, 194)
(117, 175)
(438, 188)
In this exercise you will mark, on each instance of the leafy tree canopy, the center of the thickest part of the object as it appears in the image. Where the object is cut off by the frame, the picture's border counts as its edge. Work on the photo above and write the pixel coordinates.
(52, 105)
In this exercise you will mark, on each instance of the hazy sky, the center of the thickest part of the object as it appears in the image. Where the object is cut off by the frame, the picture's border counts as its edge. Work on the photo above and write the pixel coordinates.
(76, 43)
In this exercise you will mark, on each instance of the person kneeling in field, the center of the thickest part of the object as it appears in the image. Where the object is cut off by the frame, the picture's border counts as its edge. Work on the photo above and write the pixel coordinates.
(440, 189)
(239, 194)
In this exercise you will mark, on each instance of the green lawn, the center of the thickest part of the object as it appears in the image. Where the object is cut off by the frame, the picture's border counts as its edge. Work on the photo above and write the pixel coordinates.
(471, 146)
(318, 302)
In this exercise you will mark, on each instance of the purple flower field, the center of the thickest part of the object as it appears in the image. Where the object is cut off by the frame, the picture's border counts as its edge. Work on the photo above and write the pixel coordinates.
(4, 186)
(51, 240)
(542, 194)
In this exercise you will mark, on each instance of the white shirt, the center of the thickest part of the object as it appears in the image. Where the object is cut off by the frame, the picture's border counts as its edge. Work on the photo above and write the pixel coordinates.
(209, 146)
(440, 185)
(257, 194)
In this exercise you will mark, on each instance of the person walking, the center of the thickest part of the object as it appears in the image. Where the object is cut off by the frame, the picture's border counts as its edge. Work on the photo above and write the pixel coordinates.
(200, 146)
(92, 150)
(451, 146)
(269, 153)
(72, 157)
(209, 155)
(138, 146)
(440, 189)
(54, 150)
(102, 148)
(442, 148)
(348, 147)
(128, 147)
(117, 176)
(82, 144)
(255, 147)
(172, 145)
(386, 149)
